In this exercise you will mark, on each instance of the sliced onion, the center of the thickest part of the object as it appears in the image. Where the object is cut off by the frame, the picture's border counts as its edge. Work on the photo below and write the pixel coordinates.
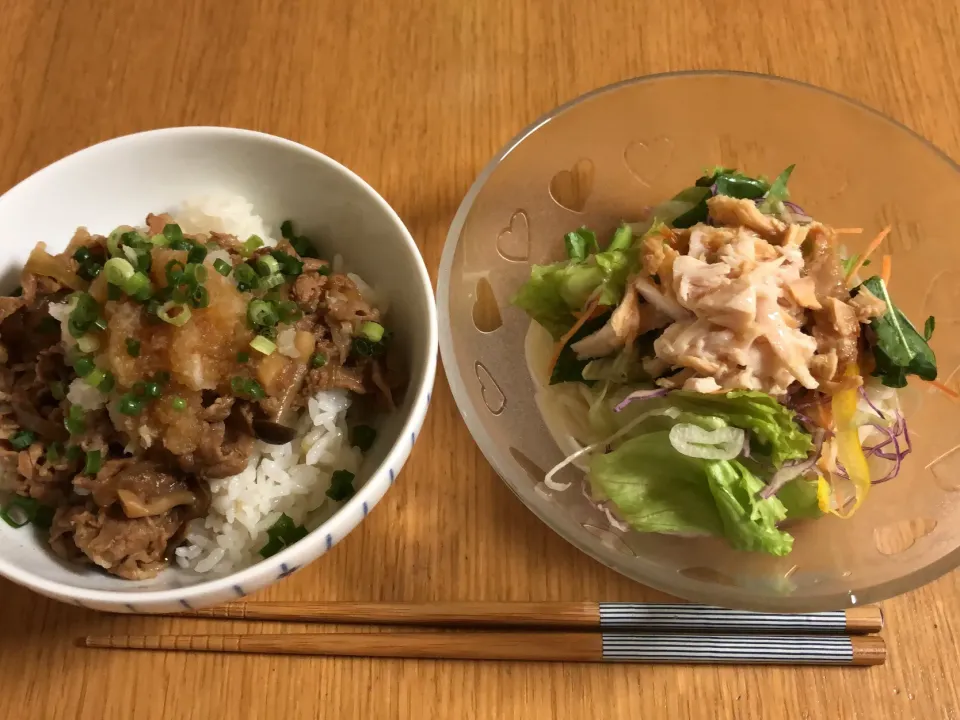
(724, 443)
(560, 487)
(794, 469)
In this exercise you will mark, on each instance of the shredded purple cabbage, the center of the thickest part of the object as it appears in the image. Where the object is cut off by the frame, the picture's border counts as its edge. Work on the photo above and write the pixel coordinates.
(641, 395)
(893, 436)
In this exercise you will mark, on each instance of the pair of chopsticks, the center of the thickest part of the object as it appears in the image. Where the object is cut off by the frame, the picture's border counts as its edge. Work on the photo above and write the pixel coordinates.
(545, 631)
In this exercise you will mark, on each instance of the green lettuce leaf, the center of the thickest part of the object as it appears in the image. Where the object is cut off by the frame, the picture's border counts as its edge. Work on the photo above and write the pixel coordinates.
(657, 489)
(554, 292)
(773, 429)
(749, 522)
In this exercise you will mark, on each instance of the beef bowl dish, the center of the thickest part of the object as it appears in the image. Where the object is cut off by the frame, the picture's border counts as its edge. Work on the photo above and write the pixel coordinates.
(192, 392)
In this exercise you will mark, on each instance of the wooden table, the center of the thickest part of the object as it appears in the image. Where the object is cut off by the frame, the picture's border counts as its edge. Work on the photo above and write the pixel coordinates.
(416, 96)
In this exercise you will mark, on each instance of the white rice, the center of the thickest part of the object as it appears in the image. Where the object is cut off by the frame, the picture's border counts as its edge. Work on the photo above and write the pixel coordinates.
(222, 212)
(289, 479)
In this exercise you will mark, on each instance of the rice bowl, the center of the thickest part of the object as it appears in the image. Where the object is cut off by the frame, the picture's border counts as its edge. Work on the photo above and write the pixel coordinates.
(189, 163)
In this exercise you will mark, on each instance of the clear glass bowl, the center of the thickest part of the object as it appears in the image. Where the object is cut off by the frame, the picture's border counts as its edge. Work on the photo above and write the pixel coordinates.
(608, 156)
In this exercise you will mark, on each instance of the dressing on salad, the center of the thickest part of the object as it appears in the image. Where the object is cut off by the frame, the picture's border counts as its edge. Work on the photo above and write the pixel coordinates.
(722, 367)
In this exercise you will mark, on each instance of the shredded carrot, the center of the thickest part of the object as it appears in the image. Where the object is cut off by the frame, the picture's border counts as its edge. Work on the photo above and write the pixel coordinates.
(871, 248)
(587, 313)
(848, 231)
(885, 268)
(944, 389)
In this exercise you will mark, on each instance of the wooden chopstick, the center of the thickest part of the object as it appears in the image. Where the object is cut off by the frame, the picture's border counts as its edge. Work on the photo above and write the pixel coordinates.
(584, 615)
(543, 646)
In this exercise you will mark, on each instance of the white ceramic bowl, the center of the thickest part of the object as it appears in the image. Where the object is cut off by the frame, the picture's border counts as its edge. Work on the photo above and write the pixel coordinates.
(119, 182)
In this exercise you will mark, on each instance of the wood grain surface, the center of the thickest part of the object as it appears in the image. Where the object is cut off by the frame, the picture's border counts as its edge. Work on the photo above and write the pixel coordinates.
(416, 96)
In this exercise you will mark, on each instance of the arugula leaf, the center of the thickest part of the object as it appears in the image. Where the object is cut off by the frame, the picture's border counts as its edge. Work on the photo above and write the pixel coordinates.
(851, 261)
(899, 350)
(580, 243)
(778, 191)
(726, 182)
(569, 367)
(928, 327)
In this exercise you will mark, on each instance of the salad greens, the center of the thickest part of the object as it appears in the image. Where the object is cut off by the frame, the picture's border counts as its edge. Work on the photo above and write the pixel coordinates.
(555, 292)
(899, 350)
(657, 489)
(670, 460)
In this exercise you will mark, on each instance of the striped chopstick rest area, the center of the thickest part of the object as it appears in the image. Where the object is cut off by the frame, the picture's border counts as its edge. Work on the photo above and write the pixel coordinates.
(673, 617)
(739, 649)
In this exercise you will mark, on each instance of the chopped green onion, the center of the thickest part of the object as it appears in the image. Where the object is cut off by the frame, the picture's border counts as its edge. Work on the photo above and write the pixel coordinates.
(281, 534)
(267, 265)
(172, 232)
(144, 261)
(152, 389)
(74, 421)
(286, 229)
(178, 403)
(261, 313)
(54, 451)
(261, 344)
(83, 366)
(131, 254)
(113, 292)
(93, 462)
(222, 266)
(106, 385)
(180, 245)
(270, 281)
(200, 297)
(136, 283)
(19, 511)
(88, 344)
(82, 254)
(73, 453)
(100, 323)
(195, 272)
(173, 313)
(113, 242)
(246, 277)
(95, 377)
(288, 311)
(249, 388)
(364, 437)
(341, 486)
(130, 404)
(58, 390)
(197, 254)
(76, 328)
(91, 270)
(289, 265)
(253, 242)
(159, 241)
(317, 360)
(22, 440)
(243, 356)
(133, 347)
(174, 271)
(372, 331)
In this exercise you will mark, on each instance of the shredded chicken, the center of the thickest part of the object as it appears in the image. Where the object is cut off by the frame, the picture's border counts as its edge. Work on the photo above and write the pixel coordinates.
(741, 328)
(626, 324)
(734, 212)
